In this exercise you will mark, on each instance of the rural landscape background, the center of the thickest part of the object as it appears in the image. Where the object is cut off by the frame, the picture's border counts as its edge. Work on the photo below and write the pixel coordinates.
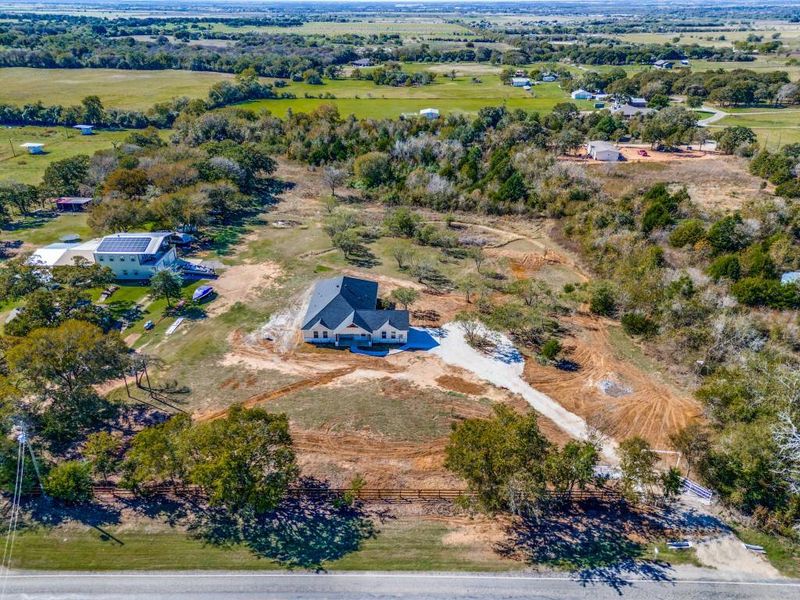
(590, 210)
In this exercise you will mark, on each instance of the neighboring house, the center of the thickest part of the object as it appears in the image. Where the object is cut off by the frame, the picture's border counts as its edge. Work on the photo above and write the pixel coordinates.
(136, 255)
(72, 203)
(84, 129)
(33, 147)
(627, 111)
(549, 77)
(581, 95)
(663, 64)
(429, 113)
(520, 81)
(343, 310)
(603, 151)
(362, 62)
(638, 102)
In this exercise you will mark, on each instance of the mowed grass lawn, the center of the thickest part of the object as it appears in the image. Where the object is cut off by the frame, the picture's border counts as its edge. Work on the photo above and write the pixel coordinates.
(117, 88)
(401, 545)
(59, 143)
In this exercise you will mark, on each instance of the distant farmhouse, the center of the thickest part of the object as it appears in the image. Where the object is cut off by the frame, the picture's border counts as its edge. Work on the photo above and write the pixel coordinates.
(520, 81)
(663, 64)
(343, 311)
(362, 62)
(429, 113)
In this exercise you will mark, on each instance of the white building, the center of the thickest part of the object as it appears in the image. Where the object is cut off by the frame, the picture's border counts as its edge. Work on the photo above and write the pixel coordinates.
(63, 254)
(343, 311)
(603, 151)
(136, 255)
(33, 147)
(581, 94)
(520, 81)
(429, 113)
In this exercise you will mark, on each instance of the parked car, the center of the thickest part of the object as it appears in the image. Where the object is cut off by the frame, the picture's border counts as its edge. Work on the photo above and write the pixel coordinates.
(643, 153)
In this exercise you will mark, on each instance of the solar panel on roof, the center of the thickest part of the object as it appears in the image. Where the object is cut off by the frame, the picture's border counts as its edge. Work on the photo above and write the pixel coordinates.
(124, 244)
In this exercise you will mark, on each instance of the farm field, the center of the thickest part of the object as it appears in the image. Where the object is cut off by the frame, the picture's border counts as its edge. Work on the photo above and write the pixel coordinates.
(60, 143)
(367, 100)
(117, 88)
(406, 28)
(789, 35)
(774, 128)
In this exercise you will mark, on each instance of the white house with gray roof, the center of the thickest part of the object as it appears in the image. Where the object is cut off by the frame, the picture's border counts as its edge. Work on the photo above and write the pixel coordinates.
(343, 311)
(136, 255)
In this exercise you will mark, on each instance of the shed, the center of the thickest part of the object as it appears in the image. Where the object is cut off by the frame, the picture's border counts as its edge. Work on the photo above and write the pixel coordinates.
(362, 62)
(520, 81)
(33, 147)
(85, 129)
(581, 94)
(638, 102)
(72, 203)
(429, 113)
(603, 151)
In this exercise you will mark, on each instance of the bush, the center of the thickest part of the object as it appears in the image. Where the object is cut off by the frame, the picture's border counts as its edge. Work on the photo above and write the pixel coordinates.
(70, 481)
(727, 267)
(638, 324)
(687, 233)
(789, 189)
(602, 301)
(551, 349)
(755, 291)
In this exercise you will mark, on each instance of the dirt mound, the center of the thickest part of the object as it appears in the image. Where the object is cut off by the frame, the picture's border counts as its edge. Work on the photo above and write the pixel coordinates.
(456, 384)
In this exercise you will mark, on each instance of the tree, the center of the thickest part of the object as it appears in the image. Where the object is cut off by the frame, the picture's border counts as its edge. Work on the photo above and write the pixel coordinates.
(128, 183)
(693, 442)
(468, 285)
(637, 462)
(402, 222)
(167, 284)
(671, 483)
(333, 178)
(405, 296)
(469, 322)
(19, 195)
(349, 242)
(65, 177)
(531, 291)
(70, 481)
(244, 462)
(490, 454)
(478, 257)
(155, 456)
(403, 253)
(730, 139)
(373, 169)
(60, 366)
(102, 449)
(93, 111)
(572, 466)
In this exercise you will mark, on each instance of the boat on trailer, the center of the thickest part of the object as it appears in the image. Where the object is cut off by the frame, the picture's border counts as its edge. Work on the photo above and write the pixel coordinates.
(202, 293)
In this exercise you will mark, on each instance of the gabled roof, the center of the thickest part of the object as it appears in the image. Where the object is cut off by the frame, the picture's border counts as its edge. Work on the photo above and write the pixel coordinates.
(336, 299)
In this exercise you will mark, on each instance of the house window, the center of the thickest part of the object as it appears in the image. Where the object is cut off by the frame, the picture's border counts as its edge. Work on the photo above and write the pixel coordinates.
(383, 335)
(316, 334)
(124, 271)
(110, 259)
(324, 334)
(394, 335)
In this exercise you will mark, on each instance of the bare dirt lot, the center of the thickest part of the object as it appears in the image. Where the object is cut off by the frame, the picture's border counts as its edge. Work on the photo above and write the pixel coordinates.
(714, 182)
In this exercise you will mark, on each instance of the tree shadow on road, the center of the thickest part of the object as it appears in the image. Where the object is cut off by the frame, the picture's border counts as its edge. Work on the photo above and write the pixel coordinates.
(598, 542)
(302, 532)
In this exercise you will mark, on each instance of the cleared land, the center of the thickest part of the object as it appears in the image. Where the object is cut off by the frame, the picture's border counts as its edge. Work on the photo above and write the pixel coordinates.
(116, 87)
(774, 128)
(60, 142)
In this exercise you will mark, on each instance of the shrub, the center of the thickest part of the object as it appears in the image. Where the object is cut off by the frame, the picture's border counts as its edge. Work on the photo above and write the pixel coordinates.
(638, 324)
(602, 301)
(725, 267)
(789, 189)
(687, 233)
(755, 291)
(70, 481)
(551, 349)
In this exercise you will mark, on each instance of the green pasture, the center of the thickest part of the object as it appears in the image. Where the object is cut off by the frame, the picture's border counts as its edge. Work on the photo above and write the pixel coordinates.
(774, 128)
(405, 28)
(364, 99)
(117, 88)
(60, 142)
(789, 35)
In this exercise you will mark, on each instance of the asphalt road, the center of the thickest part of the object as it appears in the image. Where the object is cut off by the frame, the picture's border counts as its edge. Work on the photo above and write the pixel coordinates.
(246, 585)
